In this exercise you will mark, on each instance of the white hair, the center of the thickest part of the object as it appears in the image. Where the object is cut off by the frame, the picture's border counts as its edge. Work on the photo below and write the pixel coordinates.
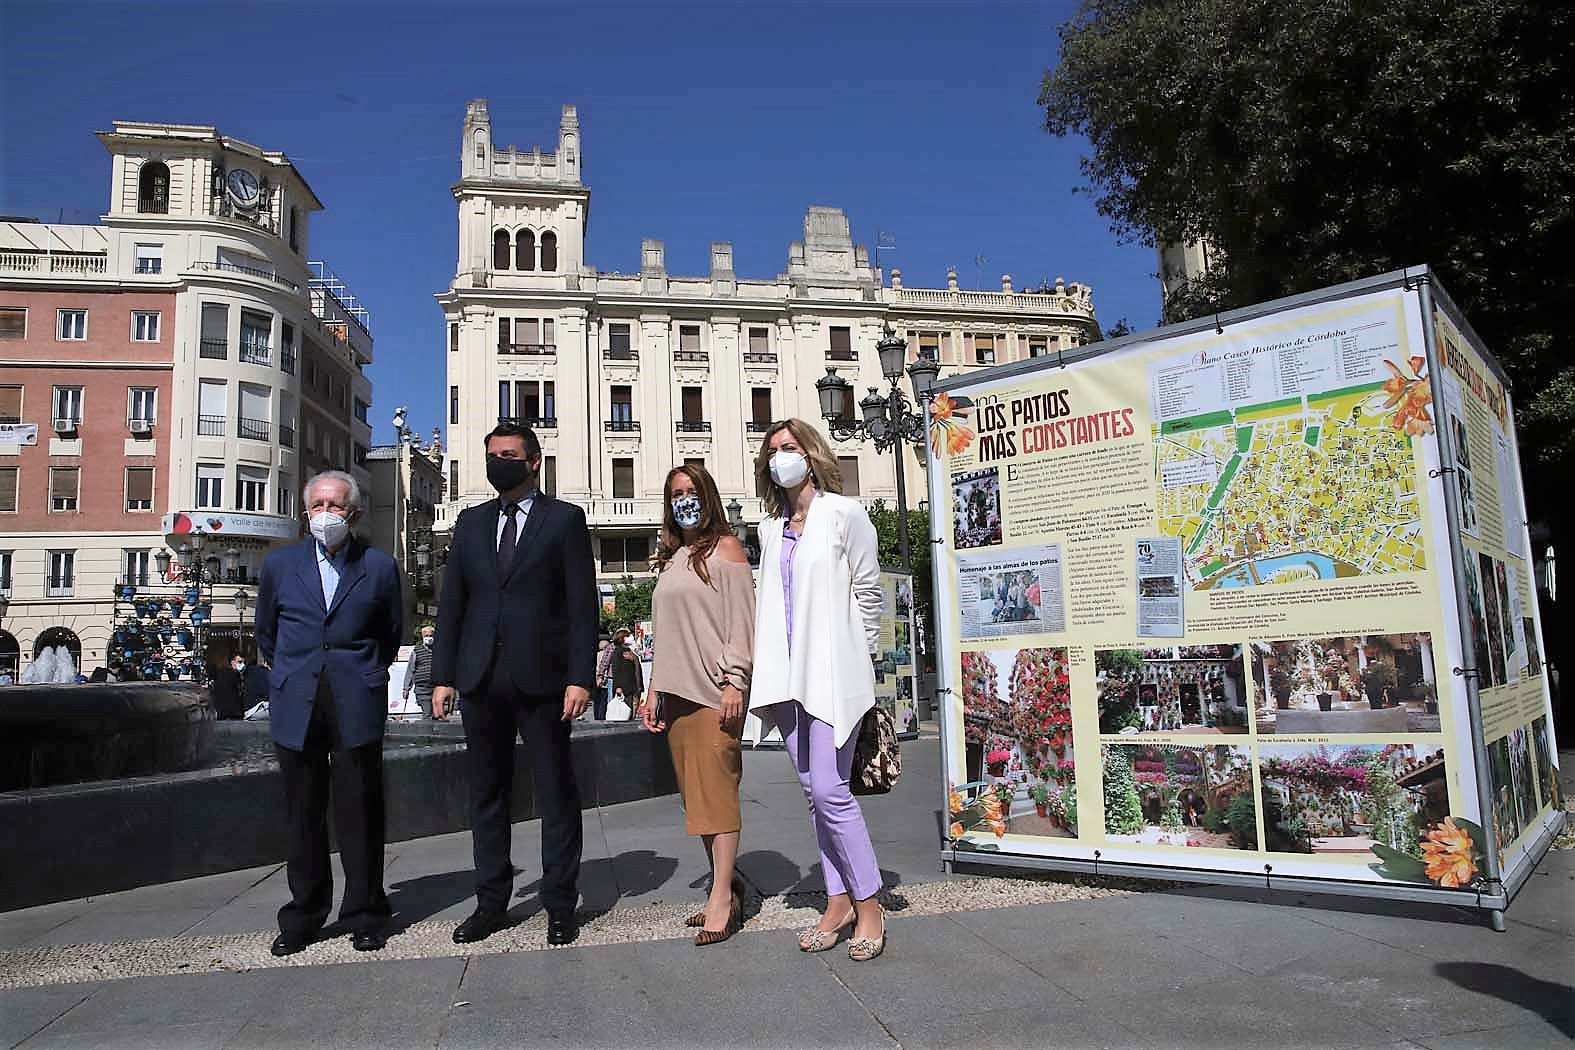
(354, 496)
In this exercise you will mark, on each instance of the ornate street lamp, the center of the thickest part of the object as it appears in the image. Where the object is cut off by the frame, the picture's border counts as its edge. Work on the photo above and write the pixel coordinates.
(735, 519)
(889, 420)
(242, 599)
(161, 562)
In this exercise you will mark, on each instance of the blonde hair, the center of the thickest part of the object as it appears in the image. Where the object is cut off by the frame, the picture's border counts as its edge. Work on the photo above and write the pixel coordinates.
(823, 469)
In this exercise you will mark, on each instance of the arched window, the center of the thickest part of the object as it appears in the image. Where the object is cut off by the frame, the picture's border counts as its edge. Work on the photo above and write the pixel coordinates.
(500, 249)
(549, 251)
(10, 655)
(59, 637)
(525, 250)
(481, 149)
(153, 188)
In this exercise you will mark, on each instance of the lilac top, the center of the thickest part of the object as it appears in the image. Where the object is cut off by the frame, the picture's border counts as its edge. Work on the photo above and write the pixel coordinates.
(789, 548)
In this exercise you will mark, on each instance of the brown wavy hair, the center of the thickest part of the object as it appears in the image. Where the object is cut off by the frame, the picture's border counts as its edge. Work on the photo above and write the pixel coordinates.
(823, 469)
(712, 528)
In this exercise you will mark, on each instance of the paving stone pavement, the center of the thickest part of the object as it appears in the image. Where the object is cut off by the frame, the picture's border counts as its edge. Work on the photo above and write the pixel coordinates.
(976, 962)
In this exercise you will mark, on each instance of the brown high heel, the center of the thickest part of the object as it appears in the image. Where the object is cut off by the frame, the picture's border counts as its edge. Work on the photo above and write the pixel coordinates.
(698, 918)
(735, 922)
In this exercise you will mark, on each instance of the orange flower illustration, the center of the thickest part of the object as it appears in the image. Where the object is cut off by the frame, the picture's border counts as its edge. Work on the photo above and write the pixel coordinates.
(1409, 395)
(1448, 855)
(954, 801)
(948, 436)
(998, 827)
(956, 830)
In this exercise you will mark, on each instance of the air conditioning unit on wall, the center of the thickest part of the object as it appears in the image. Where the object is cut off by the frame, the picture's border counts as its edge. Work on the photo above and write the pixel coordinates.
(65, 426)
(141, 426)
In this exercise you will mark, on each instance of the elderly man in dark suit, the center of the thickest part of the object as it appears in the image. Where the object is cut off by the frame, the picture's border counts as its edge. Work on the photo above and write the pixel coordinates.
(516, 635)
(329, 622)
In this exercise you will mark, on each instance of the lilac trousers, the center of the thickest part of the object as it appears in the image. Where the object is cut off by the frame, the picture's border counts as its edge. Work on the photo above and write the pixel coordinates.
(846, 854)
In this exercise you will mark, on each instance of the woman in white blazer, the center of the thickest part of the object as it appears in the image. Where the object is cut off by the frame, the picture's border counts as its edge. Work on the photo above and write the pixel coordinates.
(817, 625)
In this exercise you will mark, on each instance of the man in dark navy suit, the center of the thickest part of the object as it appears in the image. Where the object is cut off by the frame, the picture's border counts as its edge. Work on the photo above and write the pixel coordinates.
(329, 622)
(516, 635)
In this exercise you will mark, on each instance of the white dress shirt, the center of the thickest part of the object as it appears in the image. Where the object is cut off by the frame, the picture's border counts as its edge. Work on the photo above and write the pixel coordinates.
(328, 569)
(520, 517)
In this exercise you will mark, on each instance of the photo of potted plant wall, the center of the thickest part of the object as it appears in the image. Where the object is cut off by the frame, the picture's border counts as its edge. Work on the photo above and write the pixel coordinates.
(1040, 793)
(1378, 678)
(1280, 686)
(1429, 696)
(995, 761)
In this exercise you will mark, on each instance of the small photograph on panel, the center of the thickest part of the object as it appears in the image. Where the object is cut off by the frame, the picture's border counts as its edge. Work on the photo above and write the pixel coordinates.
(1370, 683)
(1173, 689)
(976, 499)
(1342, 799)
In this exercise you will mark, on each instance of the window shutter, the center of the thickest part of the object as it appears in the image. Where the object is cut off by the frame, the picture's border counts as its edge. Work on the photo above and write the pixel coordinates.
(10, 404)
(8, 477)
(139, 483)
(63, 482)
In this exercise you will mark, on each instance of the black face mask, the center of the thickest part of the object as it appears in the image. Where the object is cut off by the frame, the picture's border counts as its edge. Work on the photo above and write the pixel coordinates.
(506, 475)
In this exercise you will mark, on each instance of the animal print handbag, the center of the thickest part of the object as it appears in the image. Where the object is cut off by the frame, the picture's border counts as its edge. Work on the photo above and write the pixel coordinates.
(877, 761)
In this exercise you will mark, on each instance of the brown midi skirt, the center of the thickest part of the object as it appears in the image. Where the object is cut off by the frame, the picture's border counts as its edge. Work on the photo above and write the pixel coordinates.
(709, 764)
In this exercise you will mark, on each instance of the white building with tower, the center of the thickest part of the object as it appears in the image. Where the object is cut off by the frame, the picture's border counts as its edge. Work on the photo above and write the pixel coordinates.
(623, 376)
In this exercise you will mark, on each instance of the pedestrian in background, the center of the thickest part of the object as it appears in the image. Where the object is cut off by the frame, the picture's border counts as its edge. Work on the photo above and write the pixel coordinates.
(703, 612)
(628, 677)
(418, 672)
(817, 631)
(604, 656)
(329, 624)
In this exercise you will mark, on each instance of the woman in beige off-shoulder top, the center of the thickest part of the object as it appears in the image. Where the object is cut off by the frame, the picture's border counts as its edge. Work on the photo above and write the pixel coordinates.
(703, 625)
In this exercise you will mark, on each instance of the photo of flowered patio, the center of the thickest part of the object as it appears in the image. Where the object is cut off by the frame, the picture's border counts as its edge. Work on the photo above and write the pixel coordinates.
(1177, 795)
(1172, 689)
(1346, 799)
(1017, 725)
(1373, 683)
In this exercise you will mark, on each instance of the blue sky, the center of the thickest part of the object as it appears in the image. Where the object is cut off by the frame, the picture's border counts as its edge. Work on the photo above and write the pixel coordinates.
(700, 122)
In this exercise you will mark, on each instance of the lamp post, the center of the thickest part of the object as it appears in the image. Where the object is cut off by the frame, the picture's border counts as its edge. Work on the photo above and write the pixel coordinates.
(891, 421)
(242, 599)
(735, 519)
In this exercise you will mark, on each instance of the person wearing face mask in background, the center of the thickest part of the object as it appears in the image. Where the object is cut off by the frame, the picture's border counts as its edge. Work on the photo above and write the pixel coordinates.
(703, 613)
(329, 623)
(418, 672)
(817, 628)
(516, 636)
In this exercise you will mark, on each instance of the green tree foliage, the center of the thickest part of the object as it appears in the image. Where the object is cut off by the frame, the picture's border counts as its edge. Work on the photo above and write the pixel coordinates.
(1123, 811)
(631, 604)
(1318, 144)
(885, 520)
(1241, 816)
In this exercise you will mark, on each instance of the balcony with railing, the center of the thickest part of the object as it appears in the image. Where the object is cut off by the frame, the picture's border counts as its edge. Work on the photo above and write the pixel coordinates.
(286, 436)
(758, 426)
(59, 586)
(252, 429)
(692, 357)
(210, 426)
(534, 422)
(611, 354)
(214, 349)
(621, 426)
(287, 360)
(528, 349)
(256, 352)
(693, 426)
(153, 206)
(841, 355)
(80, 264)
(760, 357)
(1065, 302)
(230, 266)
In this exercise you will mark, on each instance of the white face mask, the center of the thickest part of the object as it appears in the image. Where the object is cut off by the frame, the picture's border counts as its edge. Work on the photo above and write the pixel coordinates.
(426, 639)
(329, 528)
(789, 468)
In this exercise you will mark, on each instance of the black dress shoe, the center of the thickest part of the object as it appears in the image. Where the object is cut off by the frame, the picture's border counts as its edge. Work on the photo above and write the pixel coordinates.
(369, 940)
(562, 928)
(480, 926)
(289, 944)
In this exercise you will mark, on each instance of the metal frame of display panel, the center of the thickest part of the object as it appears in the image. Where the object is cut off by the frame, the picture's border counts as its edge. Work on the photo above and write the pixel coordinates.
(1495, 895)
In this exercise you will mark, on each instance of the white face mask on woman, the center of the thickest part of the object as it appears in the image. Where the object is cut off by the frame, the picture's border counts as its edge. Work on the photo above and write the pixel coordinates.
(788, 469)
